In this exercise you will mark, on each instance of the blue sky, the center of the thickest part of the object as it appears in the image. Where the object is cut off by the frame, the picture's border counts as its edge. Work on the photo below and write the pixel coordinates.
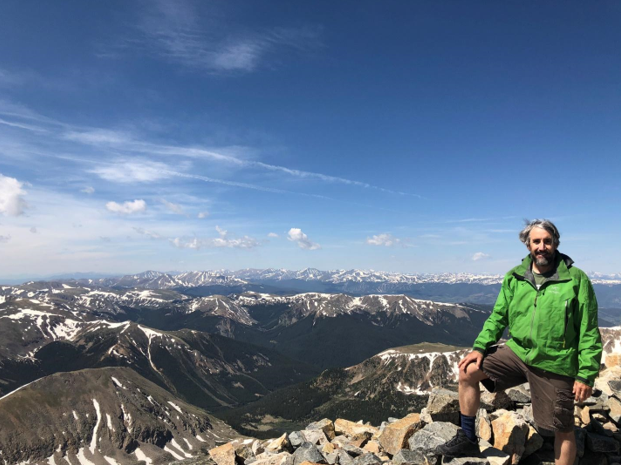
(400, 136)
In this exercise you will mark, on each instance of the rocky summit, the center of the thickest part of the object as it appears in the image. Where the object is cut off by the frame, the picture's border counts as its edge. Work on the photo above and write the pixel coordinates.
(505, 425)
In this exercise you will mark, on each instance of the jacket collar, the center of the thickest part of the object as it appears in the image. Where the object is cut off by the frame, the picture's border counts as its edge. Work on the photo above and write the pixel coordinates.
(561, 273)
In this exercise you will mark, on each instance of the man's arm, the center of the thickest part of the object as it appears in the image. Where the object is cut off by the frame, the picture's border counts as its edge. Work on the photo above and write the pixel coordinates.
(589, 339)
(498, 320)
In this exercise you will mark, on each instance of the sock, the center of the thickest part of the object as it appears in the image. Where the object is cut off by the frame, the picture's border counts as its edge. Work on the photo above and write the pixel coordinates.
(467, 424)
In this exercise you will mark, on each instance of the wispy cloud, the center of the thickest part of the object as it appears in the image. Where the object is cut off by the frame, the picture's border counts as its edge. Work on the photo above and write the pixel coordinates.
(132, 171)
(88, 190)
(480, 256)
(224, 240)
(385, 239)
(174, 207)
(274, 235)
(296, 235)
(202, 215)
(127, 208)
(12, 202)
(180, 33)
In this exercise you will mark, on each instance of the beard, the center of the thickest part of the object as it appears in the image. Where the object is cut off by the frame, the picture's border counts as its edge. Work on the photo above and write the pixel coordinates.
(542, 260)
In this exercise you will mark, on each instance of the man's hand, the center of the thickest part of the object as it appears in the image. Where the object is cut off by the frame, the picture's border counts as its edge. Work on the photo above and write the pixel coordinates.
(581, 391)
(473, 357)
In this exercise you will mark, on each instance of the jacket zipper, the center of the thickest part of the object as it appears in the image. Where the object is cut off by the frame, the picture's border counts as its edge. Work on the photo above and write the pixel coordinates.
(566, 322)
(532, 320)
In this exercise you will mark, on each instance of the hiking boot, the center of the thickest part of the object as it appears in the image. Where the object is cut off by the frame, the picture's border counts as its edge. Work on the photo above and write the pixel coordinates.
(459, 446)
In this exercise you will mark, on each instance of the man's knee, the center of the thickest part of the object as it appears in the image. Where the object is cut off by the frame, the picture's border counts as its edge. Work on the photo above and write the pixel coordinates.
(472, 375)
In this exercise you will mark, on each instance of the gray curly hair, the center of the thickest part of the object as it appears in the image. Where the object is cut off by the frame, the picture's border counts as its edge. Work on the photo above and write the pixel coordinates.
(542, 224)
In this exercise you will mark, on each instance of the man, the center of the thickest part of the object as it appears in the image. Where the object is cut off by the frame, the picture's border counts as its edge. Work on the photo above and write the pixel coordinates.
(551, 311)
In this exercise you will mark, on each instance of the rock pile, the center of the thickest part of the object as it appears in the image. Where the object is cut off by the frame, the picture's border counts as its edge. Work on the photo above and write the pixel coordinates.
(505, 425)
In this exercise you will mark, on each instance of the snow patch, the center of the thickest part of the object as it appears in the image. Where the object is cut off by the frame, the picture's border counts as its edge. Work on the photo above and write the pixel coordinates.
(176, 407)
(141, 456)
(94, 438)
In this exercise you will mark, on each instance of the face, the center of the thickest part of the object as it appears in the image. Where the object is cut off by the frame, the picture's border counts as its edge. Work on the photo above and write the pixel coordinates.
(541, 247)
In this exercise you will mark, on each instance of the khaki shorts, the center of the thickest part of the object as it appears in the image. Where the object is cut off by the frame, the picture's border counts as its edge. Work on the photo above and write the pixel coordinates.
(551, 394)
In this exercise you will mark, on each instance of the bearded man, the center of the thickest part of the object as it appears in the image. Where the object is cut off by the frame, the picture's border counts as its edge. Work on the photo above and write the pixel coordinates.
(550, 309)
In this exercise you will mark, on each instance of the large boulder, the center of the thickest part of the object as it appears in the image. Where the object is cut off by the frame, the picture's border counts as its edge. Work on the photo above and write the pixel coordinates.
(307, 452)
(431, 436)
(443, 406)
(510, 433)
(224, 454)
(395, 435)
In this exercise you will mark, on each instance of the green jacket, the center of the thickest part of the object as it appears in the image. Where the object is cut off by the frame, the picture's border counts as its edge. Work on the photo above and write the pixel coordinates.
(554, 328)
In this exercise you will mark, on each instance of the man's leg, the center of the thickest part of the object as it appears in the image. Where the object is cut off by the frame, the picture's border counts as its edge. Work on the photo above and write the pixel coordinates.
(469, 391)
(564, 448)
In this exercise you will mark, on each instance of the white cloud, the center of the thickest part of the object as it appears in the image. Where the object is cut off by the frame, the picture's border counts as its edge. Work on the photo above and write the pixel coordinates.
(151, 234)
(387, 240)
(173, 207)
(273, 235)
(88, 190)
(479, 256)
(127, 208)
(296, 235)
(12, 202)
(224, 240)
(131, 171)
(202, 215)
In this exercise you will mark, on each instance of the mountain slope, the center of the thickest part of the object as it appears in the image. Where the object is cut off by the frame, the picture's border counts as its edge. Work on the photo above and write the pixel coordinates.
(107, 415)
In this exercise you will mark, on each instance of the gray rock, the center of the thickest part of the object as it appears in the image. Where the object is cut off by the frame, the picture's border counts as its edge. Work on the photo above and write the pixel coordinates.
(406, 457)
(527, 413)
(308, 452)
(353, 451)
(367, 459)
(345, 458)
(615, 386)
(431, 436)
(518, 394)
(315, 436)
(465, 461)
(383, 426)
(326, 426)
(332, 458)
(296, 439)
(392, 419)
(443, 406)
(600, 443)
(496, 400)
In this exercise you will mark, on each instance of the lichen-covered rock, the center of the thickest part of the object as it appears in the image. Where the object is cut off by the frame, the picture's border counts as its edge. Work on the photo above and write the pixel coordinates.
(307, 452)
(405, 456)
(431, 436)
(510, 433)
(367, 459)
(395, 436)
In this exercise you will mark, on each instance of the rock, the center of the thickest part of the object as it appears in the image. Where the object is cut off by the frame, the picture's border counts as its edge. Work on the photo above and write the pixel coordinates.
(243, 449)
(359, 440)
(493, 455)
(350, 428)
(315, 436)
(496, 400)
(373, 446)
(425, 417)
(328, 448)
(258, 447)
(224, 454)
(527, 414)
(353, 450)
(283, 458)
(279, 445)
(615, 386)
(599, 443)
(405, 456)
(326, 426)
(332, 458)
(344, 458)
(610, 426)
(307, 452)
(367, 459)
(465, 461)
(585, 414)
(534, 441)
(601, 418)
(483, 425)
(510, 433)
(613, 360)
(431, 436)
(443, 406)
(615, 409)
(395, 436)
(519, 394)
(296, 439)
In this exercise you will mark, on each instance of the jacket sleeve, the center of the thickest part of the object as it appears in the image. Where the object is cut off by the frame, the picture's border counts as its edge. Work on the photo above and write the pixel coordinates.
(589, 339)
(498, 320)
